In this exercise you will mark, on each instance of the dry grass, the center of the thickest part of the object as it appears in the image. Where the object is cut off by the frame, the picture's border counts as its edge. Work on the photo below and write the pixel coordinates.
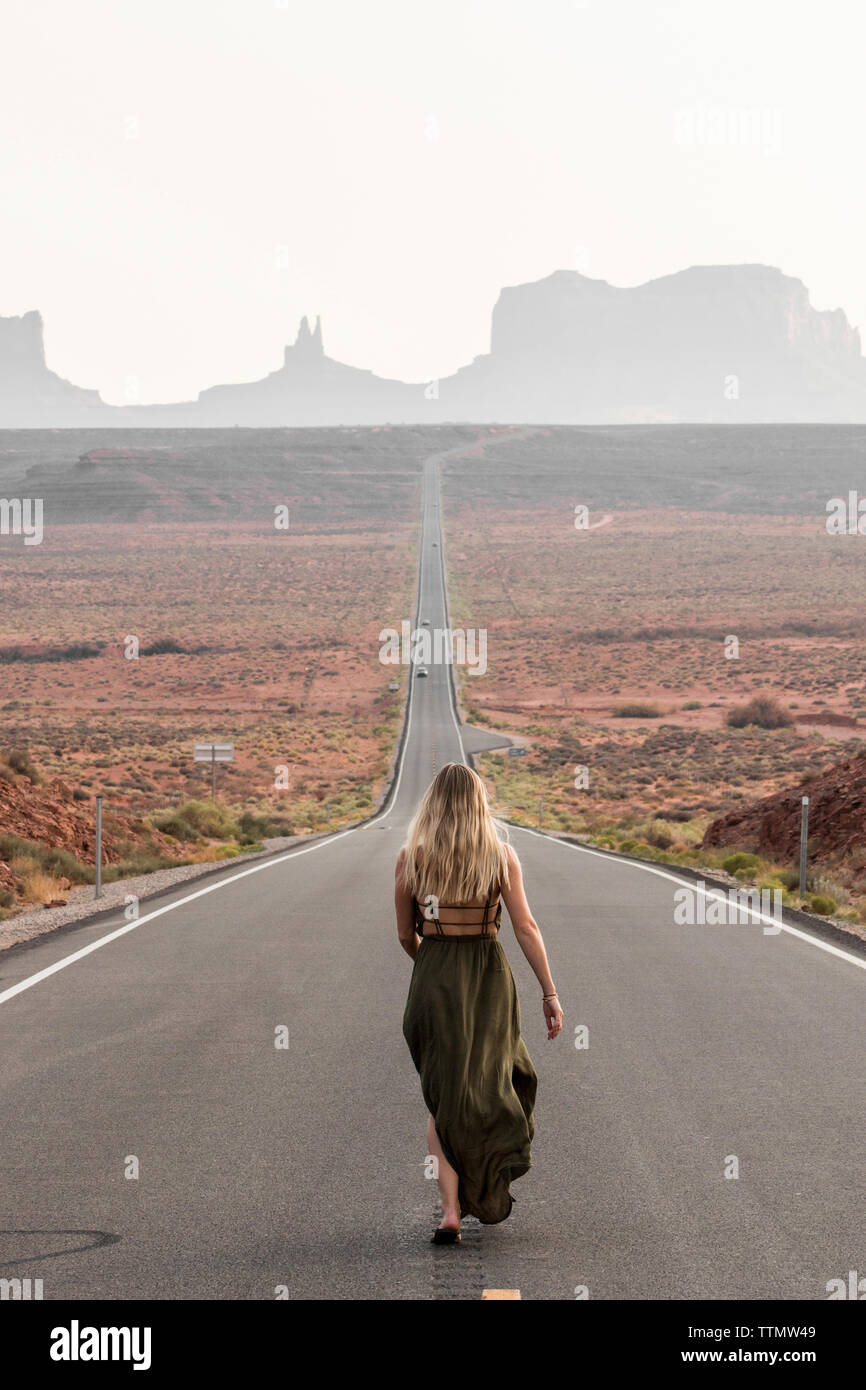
(36, 885)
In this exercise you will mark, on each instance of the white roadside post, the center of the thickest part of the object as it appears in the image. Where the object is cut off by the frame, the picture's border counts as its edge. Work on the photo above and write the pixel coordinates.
(804, 843)
(98, 893)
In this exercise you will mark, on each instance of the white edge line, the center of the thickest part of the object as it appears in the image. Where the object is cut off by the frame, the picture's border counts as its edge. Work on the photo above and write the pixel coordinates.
(756, 915)
(392, 794)
(160, 911)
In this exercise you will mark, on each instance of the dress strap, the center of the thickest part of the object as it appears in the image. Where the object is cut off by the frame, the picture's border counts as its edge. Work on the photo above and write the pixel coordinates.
(426, 914)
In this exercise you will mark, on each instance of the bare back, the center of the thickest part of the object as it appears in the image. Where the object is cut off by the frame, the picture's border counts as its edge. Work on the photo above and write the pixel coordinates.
(482, 916)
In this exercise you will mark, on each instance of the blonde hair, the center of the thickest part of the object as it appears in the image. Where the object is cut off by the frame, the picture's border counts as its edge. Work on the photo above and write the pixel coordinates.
(454, 850)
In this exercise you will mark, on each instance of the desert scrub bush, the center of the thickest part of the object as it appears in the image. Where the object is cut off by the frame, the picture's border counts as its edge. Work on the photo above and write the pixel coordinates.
(771, 881)
(164, 646)
(20, 762)
(657, 855)
(209, 819)
(827, 888)
(53, 860)
(253, 826)
(76, 651)
(689, 832)
(825, 907)
(735, 862)
(690, 854)
(637, 709)
(692, 704)
(173, 824)
(36, 885)
(658, 835)
(763, 711)
(212, 854)
(142, 862)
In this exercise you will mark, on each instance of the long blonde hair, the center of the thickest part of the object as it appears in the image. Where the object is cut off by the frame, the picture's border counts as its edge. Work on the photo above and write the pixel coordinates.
(454, 849)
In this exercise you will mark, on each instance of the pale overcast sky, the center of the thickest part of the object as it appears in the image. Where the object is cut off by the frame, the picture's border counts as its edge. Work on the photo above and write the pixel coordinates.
(182, 179)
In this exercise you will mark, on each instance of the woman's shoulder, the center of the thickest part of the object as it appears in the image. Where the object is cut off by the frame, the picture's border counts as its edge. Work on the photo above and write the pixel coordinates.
(403, 857)
(512, 863)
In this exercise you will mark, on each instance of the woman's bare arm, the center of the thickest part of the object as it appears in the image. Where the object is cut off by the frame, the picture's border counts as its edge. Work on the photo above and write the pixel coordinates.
(530, 940)
(405, 910)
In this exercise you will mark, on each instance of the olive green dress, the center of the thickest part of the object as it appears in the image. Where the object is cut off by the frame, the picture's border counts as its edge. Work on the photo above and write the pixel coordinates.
(462, 1025)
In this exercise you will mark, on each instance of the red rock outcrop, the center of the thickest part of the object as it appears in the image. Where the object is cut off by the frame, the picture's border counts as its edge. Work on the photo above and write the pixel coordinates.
(837, 818)
(48, 814)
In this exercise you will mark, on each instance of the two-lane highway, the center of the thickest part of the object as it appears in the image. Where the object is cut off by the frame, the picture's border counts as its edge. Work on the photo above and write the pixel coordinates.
(711, 1050)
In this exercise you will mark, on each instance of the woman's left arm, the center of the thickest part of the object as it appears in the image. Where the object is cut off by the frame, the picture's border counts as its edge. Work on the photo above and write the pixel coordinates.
(405, 910)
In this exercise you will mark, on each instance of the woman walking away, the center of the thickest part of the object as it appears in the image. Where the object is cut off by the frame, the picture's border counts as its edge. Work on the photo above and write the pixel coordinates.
(462, 1019)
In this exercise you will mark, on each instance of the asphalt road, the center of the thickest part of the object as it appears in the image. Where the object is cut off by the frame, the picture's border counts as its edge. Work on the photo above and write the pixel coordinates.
(264, 1167)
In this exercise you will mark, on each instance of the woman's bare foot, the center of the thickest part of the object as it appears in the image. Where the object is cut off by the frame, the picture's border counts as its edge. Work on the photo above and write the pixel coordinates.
(449, 1185)
(450, 1219)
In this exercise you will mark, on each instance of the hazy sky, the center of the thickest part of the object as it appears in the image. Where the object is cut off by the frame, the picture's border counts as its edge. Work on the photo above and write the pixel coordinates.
(182, 179)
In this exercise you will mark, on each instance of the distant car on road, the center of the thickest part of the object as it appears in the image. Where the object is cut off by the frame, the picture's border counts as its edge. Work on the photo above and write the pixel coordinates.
(422, 671)
(435, 545)
(425, 622)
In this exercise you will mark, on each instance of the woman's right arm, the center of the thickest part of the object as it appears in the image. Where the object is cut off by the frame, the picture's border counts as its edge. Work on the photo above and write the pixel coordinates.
(531, 942)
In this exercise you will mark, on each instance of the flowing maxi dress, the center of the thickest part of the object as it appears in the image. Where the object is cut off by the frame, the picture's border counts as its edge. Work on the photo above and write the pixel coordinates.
(462, 1025)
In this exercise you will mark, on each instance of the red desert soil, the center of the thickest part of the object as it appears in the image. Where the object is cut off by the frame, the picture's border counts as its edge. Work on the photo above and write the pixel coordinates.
(263, 637)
